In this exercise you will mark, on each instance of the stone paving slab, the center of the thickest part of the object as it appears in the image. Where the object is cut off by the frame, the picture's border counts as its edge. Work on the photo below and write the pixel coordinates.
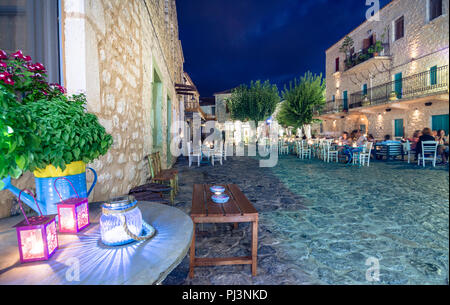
(319, 223)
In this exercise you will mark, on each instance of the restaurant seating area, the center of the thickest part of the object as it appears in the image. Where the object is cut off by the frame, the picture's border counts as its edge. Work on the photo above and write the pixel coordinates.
(360, 149)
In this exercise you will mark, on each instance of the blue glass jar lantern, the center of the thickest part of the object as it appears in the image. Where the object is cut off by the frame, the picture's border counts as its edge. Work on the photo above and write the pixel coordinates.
(121, 222)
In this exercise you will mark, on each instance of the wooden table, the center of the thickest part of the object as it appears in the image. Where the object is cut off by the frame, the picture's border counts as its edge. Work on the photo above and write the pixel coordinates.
(238, 209)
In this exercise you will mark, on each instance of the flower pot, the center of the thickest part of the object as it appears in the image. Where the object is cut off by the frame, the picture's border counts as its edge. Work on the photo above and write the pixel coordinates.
(45, 193)
(393, 96)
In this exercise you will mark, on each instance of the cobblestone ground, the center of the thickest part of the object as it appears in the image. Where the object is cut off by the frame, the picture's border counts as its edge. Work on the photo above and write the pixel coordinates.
(319, 223)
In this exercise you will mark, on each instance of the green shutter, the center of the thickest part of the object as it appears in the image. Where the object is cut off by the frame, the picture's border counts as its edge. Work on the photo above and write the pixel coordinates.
(169, 135)
(399, 128)
(440, 122)
(399, 85)
(345, 97)
(365, 89)
(433, 75)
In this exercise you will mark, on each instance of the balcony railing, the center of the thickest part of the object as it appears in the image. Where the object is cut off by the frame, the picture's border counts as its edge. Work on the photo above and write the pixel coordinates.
(332, 107)
(364, 55)
(191, 106)
(422, 84)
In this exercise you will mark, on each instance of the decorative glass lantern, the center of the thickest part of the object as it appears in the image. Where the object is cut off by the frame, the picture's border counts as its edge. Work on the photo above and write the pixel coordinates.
(36, 236)
(73, 213)
(121, 222)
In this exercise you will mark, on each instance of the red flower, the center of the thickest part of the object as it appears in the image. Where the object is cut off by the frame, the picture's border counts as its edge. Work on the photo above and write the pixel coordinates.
(6, 78)
(27, 58)
(3, 55)
(18, 54)
(3, 65)
(59, 87)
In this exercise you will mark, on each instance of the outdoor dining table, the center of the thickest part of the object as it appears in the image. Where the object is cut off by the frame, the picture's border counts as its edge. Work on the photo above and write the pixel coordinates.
(390, 150)
(237, 210)
(83, 255)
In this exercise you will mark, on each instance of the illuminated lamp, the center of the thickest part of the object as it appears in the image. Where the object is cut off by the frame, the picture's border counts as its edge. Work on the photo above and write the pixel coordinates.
(73, 213)
(36, 236)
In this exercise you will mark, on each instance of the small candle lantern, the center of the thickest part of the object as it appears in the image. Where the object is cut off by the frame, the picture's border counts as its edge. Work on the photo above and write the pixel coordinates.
(121, 222)
(73, 213)
(36, 236)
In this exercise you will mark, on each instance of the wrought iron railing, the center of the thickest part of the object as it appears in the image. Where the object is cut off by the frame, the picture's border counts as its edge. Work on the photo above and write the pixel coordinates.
(332, 107)
(364, 55)
(422, 84)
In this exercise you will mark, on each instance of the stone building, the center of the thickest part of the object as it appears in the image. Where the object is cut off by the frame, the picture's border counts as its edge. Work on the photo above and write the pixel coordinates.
(127, 57)
(394, 78)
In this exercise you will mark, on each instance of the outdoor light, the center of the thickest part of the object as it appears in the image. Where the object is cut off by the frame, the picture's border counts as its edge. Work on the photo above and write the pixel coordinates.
(36, 236)
(73, 213)
(121, 222)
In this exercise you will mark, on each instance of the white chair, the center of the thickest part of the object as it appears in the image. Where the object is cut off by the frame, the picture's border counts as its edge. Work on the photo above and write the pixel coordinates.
(225, 149)
(306, 150)
(193, 154)
(331, 154)
(364, 156)
(283, 148)
(429, 153)
(407, 150)
(298, 145)
(217, 154)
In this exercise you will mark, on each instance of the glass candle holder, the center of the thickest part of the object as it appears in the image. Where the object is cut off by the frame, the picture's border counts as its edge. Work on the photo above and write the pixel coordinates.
(121, 220)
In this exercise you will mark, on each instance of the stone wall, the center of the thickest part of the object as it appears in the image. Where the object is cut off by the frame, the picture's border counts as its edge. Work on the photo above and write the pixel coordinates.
(111, 51)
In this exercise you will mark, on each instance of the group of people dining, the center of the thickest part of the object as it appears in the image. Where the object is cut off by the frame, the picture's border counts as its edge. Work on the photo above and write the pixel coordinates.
(431, 135)
(354, 142)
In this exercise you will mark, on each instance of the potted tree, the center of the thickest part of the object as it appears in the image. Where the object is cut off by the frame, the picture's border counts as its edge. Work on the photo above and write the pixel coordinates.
(45, 131)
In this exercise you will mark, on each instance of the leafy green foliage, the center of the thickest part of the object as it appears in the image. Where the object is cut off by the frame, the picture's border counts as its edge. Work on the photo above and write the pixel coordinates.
(301, 100)
(39, 124)
(255, 103)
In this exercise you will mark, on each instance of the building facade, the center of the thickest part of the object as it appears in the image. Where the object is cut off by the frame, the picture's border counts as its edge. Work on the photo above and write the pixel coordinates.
(127, 57)
(393, 80)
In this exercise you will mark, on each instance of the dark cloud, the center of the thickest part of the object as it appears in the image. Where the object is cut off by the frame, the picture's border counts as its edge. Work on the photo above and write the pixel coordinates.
(229, 42)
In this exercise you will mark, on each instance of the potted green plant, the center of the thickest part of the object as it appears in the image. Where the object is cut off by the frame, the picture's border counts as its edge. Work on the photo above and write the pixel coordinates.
(44, 131)
(393, 96)
(365, 100)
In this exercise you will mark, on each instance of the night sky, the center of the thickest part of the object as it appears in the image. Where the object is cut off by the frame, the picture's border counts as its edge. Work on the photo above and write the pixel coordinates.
(230, 42)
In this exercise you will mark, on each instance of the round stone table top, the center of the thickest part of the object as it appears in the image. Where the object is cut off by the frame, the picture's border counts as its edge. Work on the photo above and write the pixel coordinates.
(83, 259)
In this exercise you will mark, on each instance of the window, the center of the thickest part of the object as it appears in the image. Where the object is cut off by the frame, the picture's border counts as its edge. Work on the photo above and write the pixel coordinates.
(364, 89)
(213, 110)
(337, 65)
(399, 28)
(333, 98)
(433, 75)
(33, 27)
(435, 9)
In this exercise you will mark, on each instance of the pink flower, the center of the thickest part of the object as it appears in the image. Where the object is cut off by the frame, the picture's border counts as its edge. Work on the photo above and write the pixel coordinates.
(39, 67)
(6, 78)
(3, 65)
(37, 75)
(3, 55)
(18, 54)
(59, 87)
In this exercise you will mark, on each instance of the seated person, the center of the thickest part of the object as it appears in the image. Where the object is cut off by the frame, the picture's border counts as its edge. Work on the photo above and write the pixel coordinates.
(443, 150)
(426, 136)
(361, 139)
(415, 138)
(344, 138)
(387, 138)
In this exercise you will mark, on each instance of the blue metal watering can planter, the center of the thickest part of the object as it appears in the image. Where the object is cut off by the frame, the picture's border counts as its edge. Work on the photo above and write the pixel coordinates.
(47, 197)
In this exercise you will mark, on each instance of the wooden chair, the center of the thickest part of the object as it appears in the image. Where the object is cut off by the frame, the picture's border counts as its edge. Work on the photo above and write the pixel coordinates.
(162, 177)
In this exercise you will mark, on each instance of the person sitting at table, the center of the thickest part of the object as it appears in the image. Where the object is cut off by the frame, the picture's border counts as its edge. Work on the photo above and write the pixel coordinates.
(415, 138)
(434, 133)
(442, 139)
(344, 138)
(387, 138)
(426, 136)
(371, 139)
(361, 139)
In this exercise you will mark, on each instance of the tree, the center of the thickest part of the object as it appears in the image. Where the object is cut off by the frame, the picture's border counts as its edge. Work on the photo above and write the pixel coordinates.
(301, 100)
(255, 103)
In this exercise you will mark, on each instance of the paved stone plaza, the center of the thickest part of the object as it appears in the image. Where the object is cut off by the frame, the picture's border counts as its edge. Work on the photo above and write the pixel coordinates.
(319, 223)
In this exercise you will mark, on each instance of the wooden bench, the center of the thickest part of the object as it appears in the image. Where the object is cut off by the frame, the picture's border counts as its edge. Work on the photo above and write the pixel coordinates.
(238, 209)
(159, 175)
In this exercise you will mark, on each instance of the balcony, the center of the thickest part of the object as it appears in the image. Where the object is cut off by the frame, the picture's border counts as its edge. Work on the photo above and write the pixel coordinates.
(332, 107)
(194, 106)
(364, 55)
(416, 86)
